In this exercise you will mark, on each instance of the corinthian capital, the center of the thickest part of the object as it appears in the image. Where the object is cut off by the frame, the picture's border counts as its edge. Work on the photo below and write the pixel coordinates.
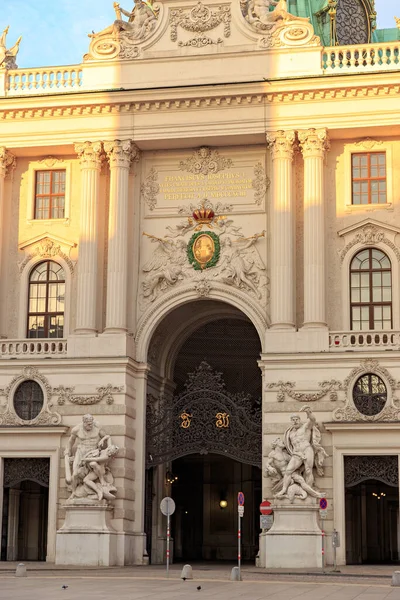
(7, 161)
(121, 153)
(90, 154)
(314, 142)
(281, 143)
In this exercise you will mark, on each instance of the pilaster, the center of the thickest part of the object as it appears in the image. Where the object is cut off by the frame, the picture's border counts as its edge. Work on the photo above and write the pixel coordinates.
(120, 154)
(282, 230)
(7, 165)
(314, 143)
(90, 155)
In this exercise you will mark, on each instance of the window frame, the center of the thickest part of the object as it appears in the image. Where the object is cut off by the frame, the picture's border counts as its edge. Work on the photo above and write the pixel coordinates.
(47, 314)
(50, 164)
(369, 179)
(53, 197)
(371, 304)
(345, 189)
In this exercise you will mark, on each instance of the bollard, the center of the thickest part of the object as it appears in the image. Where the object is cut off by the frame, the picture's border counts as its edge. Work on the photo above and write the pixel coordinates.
(20, 571)
(187, 572)
(235, 574)
(396, 579)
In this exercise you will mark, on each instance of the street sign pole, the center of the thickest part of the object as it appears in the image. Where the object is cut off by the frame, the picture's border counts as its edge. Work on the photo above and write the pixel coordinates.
(167, 508)
(239, 544)
(168, 537)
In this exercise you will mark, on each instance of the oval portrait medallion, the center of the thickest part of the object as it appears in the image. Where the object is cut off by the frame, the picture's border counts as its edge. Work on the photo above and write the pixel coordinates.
(203, 250)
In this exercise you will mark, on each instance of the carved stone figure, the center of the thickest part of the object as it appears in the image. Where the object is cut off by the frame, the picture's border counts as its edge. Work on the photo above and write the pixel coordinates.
(7, 57)
(165, 267)
(90, 476)
(259, 15)
(291, 461)
(238, 261)
(141, 21)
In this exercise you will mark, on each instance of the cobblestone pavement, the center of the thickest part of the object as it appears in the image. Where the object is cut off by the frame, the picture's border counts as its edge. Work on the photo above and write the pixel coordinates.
(150, 583)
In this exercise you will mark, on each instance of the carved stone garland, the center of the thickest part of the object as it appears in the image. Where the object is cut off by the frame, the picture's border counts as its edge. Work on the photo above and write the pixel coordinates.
(199, 20)
(390, 412)
(103, 393)
(286, 388)
(46, 416)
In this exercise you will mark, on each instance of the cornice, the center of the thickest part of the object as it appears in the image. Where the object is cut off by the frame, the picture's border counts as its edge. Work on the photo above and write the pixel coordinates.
(185, 102)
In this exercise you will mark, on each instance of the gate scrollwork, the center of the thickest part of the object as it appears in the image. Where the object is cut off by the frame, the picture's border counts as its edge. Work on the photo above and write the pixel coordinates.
(204, 418)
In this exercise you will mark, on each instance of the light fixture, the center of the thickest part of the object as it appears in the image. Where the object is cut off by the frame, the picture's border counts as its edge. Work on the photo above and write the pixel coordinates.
(223, 504)
(170, 477)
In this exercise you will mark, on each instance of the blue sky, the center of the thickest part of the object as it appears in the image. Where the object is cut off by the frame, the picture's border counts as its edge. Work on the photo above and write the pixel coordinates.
(55, 31)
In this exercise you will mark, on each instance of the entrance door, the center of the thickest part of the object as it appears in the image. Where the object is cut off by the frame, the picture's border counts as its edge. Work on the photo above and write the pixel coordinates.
(25, 509)
(372, 509)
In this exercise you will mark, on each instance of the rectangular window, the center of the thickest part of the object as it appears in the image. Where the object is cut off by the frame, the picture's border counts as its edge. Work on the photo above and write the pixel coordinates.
(368, 173)
(49, 194)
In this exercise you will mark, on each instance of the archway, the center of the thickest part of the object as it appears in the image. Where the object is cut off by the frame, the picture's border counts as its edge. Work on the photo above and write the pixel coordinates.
(204, 431)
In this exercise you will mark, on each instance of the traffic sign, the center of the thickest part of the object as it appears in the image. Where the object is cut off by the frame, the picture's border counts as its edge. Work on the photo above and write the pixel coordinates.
(265, 508)
(240, 499)
(241, 510)
(167, 506)
(323, 513)
(323, 503)
(266, 521)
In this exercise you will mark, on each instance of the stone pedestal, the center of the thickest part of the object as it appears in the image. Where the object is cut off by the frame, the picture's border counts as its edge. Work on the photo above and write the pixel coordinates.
(87, 538)
(295, 539)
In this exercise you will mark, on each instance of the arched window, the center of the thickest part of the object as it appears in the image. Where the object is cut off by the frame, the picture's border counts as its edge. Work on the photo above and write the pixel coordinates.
(46, 301)
(370, 291)
(28, 400)
(369, 394)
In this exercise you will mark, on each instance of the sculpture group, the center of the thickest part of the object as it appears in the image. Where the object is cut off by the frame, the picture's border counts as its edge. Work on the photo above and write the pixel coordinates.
(292, 460)
(87, 458)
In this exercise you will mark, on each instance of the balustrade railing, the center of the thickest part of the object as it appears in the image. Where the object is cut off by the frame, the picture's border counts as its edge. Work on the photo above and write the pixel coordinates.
(364, 340)
(46, 80)
(367, 57)
(32, 348)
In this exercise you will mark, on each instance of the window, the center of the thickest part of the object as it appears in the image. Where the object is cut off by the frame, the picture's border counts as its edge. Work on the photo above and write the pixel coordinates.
(369, 394)
(28, 400)
(370, 291)
(50, 194)
(369, 178)
(46, 301)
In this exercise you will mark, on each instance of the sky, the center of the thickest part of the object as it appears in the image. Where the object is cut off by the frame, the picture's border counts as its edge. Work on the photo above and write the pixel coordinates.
(54, 32)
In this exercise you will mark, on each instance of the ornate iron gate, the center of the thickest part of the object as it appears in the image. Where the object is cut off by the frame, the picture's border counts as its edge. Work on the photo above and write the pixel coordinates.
(204, 418)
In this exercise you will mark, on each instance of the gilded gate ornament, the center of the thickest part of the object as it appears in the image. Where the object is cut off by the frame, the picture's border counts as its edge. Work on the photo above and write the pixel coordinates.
(221, 420)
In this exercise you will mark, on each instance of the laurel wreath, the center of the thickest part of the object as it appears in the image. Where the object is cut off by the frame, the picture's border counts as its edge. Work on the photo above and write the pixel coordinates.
(215, 258)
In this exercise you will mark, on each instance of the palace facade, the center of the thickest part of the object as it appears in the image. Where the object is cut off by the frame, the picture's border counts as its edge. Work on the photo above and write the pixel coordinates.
(199, 236)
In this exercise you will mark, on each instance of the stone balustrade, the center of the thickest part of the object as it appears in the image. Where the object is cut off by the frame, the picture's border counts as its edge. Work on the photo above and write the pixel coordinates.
(361, 58)
(340, 341)
(46, 80)
(33, 348)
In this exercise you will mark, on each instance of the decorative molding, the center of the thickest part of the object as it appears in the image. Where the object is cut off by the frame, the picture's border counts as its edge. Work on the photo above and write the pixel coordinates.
(51, 161)
(391, 412)
(150, 188)
(204, 161)
(368, 143)
(203, 287)
(46, 416)
(286, 388)
(369, 235)
(90, 154)
(8, 162)
(314, 142)
(198, 20)
(121, 153)
(65, 394)
(281, 144)
(47, 248)
(260, 183)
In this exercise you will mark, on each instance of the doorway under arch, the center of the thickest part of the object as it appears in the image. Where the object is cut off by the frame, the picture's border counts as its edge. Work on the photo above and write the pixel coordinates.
(203, 432)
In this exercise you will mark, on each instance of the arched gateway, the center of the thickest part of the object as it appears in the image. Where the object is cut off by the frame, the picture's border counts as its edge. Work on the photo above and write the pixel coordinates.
(203, 431)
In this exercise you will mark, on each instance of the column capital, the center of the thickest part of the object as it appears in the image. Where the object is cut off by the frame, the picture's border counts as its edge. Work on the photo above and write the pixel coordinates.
(121, 153)
(281, 143)
(8, 161)
(90, 154)
(314, 142)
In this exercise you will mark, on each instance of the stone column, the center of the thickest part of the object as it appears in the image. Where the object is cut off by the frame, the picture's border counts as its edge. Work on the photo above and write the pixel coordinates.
(90, 155)
(314, 143)
(120, 154)
(7, 164)
(282, 230)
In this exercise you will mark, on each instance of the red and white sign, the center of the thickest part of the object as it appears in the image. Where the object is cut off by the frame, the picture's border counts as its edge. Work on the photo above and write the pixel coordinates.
(265, 507)
(240, 499)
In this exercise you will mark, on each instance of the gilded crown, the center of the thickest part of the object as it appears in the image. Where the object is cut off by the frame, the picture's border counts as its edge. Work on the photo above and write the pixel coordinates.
(203, 214)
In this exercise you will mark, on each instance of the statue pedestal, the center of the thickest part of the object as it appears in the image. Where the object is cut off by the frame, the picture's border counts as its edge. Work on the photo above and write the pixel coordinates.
(86, 538)
(295, 539)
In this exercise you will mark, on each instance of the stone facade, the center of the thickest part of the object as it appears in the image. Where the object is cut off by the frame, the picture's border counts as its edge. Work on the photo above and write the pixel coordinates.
(254, 124)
